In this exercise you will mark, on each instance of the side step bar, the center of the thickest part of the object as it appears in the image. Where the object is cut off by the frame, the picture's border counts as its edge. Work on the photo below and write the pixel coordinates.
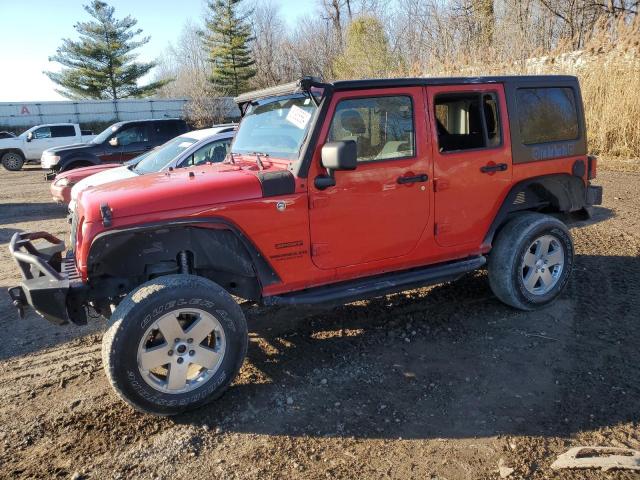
(379, 285)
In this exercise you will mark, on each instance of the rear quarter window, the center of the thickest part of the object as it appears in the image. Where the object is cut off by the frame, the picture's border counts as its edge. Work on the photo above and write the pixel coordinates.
(63, 131)
(547, 114)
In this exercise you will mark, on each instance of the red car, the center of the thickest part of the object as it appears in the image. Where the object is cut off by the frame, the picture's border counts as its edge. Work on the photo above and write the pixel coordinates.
(64, 181)
(332, 193)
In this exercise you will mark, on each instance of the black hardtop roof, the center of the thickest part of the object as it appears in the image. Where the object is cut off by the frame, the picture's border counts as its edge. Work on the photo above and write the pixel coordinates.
(428, 81)
(307, 82)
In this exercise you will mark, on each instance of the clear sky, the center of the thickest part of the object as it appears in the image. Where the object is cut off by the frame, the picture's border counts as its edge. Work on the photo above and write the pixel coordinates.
(32, 30)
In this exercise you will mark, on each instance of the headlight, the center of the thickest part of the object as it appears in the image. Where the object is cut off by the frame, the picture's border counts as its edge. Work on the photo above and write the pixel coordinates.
(63, 182)
(52, 159)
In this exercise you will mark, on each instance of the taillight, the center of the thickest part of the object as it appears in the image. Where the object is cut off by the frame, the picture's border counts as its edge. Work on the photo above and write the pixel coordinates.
(592, 171)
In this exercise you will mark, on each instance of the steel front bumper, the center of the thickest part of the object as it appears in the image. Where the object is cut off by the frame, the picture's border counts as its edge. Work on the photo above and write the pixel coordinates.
(47, 278)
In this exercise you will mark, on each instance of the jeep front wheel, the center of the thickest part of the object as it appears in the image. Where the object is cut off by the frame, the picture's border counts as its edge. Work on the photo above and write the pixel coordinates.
(531, 261)
(174, 344)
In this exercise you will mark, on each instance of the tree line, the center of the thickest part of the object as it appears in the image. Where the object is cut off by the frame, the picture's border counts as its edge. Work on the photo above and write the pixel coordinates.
(246, 44)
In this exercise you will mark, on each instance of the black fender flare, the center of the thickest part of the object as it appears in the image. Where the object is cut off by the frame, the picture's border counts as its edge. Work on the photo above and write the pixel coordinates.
(64, 163)
(561, 192)
(215, 244)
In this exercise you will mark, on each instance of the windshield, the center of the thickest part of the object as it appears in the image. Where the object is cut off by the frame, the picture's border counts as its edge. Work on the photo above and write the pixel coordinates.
(135, 160)
(276, 127)
(159, 158)
(26, 132)
(105, 134)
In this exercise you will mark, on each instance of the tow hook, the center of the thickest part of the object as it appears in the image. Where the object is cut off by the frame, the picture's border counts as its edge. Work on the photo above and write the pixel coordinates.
(19, 300)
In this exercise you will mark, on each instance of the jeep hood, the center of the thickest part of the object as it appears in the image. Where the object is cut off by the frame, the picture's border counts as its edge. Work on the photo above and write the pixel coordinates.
(175, 191)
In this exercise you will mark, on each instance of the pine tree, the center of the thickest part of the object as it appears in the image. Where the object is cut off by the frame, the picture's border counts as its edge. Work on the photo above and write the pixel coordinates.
(100, 64)
(227, 39)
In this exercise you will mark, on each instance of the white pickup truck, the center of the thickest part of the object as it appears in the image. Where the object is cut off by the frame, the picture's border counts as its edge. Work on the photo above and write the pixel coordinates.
(28, 146)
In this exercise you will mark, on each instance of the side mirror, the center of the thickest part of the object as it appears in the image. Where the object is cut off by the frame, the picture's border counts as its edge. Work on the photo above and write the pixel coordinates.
(114, 142)
(336, 156)
(340, 155)
(29, 136)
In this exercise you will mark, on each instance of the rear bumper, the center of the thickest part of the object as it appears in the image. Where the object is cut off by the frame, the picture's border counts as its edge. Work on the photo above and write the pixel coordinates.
(47, 278)
(594, 195)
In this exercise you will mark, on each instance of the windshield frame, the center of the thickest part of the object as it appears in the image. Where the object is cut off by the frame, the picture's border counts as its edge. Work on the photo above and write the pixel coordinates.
(111, 129)
(306, 131)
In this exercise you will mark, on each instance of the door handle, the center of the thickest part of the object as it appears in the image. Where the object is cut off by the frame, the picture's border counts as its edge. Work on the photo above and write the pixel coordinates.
(423, 177)
(498, 167)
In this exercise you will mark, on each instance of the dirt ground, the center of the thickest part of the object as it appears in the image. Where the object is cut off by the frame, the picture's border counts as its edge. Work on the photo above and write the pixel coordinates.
(435, 383)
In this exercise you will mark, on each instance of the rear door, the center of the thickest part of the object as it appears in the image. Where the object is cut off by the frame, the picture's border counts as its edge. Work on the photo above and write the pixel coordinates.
(63, 135)
(380, 210)
(472, 159)
(165, 130)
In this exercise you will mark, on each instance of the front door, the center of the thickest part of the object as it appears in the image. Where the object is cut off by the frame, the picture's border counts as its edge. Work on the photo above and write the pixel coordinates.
(380, 210)
(472, 159)
(40, 141)
(133, 140)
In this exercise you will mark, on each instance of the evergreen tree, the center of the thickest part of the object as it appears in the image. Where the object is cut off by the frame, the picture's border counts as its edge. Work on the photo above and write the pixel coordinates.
(227, 39)
(100, 64)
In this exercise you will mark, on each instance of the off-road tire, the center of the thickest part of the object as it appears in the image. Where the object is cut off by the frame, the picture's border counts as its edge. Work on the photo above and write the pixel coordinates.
(12, 161)
(506, 259)
(145, 305)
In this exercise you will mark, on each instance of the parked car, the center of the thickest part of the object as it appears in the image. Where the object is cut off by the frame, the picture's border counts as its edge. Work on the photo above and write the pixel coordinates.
(118, 143)
(188, 149)
(5, 134)
(332, 193)
(62, 184)
(29, 145)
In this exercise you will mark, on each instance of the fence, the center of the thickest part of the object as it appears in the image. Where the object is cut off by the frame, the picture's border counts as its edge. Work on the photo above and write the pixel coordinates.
(23, 115)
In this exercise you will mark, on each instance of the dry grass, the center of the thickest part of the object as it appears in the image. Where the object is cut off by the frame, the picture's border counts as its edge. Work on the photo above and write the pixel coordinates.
(609, 73)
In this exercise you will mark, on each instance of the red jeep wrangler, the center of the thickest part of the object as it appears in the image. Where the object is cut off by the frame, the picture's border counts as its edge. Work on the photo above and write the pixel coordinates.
(332, 193)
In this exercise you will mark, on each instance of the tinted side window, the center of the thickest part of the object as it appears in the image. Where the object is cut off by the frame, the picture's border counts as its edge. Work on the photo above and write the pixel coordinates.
(63, 131)
(132, 134)
(547, 115)
(466, 121)
(166, 130)
(212, 153)
(382, 127)
(42, 132)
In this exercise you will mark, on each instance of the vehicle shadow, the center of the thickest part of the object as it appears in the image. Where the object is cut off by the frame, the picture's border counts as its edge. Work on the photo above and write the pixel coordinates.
(599, 214)
(449, 361)
(12, 213)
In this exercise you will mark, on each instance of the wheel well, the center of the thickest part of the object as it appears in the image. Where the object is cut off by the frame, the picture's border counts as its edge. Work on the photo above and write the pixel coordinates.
(552, 194)
(77, 164)
(12, 150)
(121, 260)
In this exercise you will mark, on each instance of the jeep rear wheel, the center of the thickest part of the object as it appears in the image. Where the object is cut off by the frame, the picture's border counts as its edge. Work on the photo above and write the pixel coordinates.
(531, 261)
(12, 161)
(174, 344)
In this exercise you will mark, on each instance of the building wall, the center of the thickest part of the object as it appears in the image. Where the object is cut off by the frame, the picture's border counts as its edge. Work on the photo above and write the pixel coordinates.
(23, 115)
